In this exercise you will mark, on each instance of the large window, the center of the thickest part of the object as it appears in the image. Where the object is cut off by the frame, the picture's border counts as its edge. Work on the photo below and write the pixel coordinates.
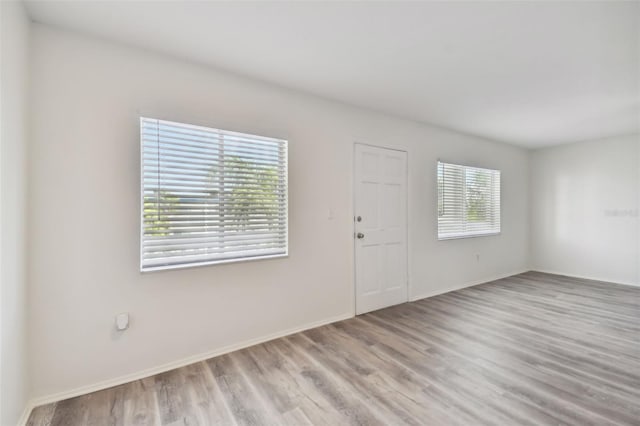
(468, 201)
(210, 196)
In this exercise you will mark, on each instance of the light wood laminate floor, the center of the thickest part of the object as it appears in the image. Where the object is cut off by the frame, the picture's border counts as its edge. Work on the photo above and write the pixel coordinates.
(532, 349)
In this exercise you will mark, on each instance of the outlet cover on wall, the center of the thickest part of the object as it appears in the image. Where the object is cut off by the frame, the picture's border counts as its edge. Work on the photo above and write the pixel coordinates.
(122, 321)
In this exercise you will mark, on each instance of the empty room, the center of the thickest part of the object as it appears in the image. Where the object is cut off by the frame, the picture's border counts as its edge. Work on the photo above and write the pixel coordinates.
(319, 213)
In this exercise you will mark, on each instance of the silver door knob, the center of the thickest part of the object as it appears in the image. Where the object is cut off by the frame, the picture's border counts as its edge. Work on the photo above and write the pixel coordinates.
(360, 235)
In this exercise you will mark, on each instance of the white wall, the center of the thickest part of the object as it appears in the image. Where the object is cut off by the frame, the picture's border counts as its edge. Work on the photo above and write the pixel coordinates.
(84, 204)
(14, 42)
(584, 209)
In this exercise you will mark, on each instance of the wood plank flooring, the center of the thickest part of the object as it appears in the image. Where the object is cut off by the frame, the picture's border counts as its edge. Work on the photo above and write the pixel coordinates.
(532, 349)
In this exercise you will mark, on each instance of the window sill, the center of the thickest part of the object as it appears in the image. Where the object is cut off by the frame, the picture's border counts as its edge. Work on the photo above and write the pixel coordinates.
(209, 263)
(470, 235)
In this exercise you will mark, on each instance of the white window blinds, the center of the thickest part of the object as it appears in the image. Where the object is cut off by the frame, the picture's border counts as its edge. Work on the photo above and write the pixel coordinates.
(210, 195)
(468, 201)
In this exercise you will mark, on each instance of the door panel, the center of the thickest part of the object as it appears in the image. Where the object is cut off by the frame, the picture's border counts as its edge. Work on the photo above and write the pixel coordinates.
(381, 203)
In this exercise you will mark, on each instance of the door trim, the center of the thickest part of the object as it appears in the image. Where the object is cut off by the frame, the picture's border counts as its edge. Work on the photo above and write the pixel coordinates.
(353, 218)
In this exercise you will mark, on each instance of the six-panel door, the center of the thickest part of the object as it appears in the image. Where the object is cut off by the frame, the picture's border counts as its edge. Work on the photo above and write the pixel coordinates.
(380, 227)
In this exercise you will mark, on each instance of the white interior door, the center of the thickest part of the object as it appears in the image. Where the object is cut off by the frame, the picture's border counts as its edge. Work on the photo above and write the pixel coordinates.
(380, 227)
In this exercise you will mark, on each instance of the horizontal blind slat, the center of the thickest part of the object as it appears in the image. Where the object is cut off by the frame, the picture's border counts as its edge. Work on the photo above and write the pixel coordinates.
(194, 260)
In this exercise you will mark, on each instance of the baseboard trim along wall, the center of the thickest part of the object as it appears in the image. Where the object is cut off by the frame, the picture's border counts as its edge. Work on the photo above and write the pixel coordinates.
(36, 402)
(22, 421)
(24, 418)
(465, 285)
(583, 277)
(83, 390)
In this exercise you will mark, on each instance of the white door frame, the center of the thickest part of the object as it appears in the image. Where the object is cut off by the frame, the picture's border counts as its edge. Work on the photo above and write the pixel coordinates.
(353, 217)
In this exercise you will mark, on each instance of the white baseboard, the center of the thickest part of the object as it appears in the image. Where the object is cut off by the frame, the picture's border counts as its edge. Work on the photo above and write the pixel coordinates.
(83, 390)
(22, 421)
(582, 277)
(465, 285)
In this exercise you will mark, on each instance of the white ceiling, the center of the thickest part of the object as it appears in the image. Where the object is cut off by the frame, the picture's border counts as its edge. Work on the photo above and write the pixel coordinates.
(528, 73)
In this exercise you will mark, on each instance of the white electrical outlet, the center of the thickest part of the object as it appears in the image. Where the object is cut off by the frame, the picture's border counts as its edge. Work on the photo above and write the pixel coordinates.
(122, 321)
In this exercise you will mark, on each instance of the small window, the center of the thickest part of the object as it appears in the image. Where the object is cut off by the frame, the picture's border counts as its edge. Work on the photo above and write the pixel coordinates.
(210, 196)
(468, 201)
